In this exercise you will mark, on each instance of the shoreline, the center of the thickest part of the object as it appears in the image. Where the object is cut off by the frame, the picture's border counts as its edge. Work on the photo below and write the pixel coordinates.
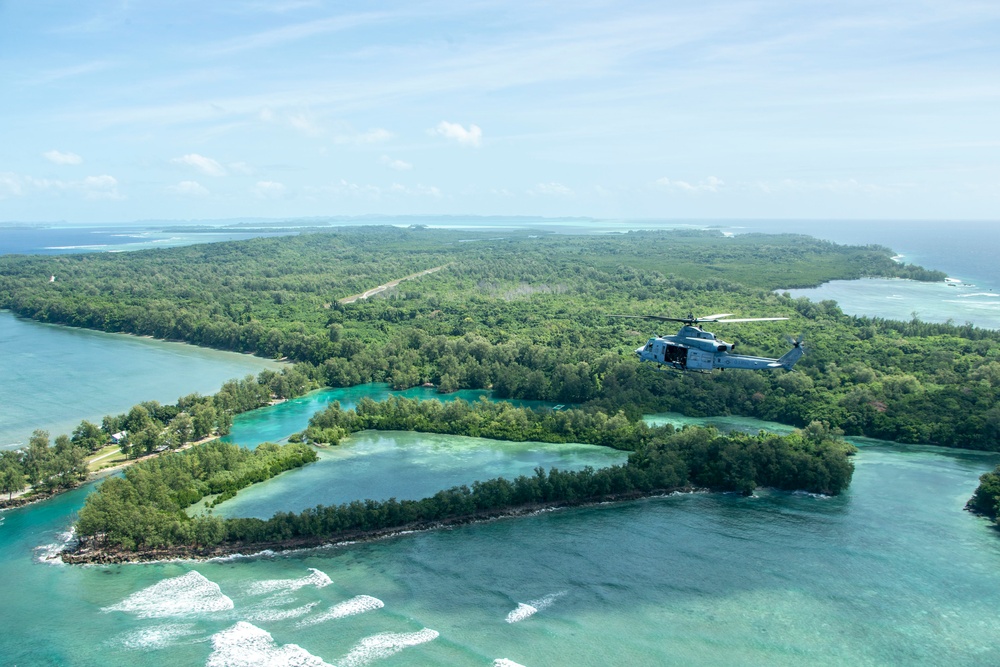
(82, 554)
(29, 498)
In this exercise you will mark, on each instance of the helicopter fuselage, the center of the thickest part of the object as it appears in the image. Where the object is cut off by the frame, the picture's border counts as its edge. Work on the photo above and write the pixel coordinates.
(698, 350)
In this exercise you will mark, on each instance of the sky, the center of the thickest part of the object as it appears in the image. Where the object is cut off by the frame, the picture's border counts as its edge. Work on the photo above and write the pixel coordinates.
(131, 110)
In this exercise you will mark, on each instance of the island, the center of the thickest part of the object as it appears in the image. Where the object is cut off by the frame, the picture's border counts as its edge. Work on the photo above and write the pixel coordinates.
(142, 515)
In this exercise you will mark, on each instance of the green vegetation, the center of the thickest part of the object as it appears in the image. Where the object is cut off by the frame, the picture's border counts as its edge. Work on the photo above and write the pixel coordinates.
(45, 468)
(527, 317)
(145, 508)
(986, 499)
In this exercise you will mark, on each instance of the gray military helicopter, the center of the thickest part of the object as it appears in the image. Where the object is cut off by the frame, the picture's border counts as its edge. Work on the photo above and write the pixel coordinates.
(694, 349)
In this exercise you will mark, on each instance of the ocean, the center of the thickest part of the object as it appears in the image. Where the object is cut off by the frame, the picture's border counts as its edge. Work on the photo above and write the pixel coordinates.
(892, 572)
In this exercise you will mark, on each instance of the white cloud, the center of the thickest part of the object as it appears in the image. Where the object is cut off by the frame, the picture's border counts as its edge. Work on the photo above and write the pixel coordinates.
(241, 168)
(91, 187)
(418, 190)
(305, 124)
(205, 165)
(98, 187)
(456, 132)
(269, 189)
(189, 189)
(710, 184)
(57, 157)
(398, 165)
(10, 185)
(551, 190)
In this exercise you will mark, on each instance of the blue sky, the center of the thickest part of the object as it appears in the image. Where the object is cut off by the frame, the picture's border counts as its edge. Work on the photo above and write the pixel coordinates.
(130, 110)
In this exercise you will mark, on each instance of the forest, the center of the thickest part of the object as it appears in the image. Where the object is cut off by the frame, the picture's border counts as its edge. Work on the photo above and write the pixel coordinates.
(145, 511)
(529, 316)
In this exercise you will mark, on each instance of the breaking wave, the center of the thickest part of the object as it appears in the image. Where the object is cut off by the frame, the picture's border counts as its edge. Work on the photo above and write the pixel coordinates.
(265, 613)
(246, 645)
(356, 605)
(384, 645)
(159, 637)
(504, 662)
(49, 553)
(314, 578)
(529, 609)
(187, 594)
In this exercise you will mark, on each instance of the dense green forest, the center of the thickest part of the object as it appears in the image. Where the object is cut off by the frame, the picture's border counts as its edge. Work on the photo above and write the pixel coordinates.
(144, 511)
(528, 316)
(145, 507)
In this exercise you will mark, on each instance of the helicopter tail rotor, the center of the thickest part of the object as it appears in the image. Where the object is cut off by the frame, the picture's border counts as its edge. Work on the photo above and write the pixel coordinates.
(788, 359)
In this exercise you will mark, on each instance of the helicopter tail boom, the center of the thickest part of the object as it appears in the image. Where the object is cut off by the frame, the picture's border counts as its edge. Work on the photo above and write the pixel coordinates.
(789, 358)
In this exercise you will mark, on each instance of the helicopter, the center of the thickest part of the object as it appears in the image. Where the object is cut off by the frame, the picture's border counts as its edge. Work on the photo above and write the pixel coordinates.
(694, 349)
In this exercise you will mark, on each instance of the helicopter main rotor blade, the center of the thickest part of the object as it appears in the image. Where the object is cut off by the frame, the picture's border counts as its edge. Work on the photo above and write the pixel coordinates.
(753, 319)
(709, 318)
(653, 317)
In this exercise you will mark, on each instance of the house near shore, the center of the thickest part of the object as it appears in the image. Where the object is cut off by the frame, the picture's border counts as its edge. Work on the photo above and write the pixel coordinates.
(116, 438)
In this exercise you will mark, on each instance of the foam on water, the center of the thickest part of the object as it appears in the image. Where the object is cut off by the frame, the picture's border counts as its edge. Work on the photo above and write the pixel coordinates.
(246, 645)
(49, 553)
(264, 613)
(159, 637)
(504, 662)
(314, 578)
(384, 645)
(522, 612)
(187, 594)
(229, 558)
(527, 610)
(356, 605)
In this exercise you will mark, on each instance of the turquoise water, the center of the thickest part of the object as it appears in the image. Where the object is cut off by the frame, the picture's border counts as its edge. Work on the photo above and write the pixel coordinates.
(275, 423)
(892, 572)
(53, 377)
(381, 465)
(900, 299)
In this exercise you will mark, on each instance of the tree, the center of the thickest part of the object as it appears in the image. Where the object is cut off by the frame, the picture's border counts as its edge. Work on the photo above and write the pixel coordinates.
(179, 431)
(12, 479)
(89, 436)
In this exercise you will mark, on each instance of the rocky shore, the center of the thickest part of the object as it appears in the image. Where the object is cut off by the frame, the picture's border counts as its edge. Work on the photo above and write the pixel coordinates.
(87, 551)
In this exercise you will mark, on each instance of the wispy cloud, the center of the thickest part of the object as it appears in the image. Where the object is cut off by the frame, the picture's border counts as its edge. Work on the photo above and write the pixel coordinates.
(398, 165)
(205, 165)
(269, 189)
(710, 184)
(189, 189)
(417, 190)
(295, 32)
(551, 190)
(456, 132)
(103, 186)
(57, 157)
